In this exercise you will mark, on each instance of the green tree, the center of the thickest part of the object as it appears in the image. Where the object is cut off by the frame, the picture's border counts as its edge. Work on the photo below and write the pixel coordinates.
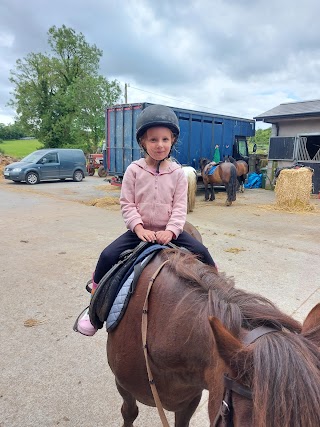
(11, 131)
(261, 138)
(59, 97)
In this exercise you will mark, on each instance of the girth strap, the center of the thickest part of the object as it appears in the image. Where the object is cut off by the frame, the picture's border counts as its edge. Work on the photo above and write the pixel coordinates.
(144, 328)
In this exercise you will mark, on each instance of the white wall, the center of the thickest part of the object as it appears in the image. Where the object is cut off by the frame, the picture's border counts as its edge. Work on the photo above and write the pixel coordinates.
(298, 126)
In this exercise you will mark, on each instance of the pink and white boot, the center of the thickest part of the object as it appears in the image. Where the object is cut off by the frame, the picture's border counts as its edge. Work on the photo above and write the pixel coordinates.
(83, 324)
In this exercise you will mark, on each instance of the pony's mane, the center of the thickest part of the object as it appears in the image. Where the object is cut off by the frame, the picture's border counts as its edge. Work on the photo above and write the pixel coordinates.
(286, 381)
(203, 162)
(236, 308)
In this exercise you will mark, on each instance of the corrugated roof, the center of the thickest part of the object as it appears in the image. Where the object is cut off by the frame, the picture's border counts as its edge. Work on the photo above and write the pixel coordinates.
(292, 109)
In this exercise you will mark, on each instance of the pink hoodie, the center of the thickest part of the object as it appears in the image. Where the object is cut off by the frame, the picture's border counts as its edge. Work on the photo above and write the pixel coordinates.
(157, 201)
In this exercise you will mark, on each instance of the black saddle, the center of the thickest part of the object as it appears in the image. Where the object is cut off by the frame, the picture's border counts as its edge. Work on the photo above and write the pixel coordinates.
(110, 285)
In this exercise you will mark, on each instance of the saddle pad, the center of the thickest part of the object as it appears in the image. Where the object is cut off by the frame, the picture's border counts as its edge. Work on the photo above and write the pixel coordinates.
(211, 169)
(121, 301)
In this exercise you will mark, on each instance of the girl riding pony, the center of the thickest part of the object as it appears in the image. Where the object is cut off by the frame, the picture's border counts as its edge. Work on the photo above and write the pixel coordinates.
(153, 198)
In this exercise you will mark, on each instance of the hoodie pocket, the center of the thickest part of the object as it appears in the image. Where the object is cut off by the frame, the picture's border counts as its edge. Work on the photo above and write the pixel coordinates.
(155, 215)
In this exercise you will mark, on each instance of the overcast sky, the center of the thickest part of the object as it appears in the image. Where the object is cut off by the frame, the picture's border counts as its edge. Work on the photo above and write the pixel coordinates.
(233, 57)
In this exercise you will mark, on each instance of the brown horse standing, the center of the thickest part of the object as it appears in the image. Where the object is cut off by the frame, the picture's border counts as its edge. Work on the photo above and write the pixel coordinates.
(187, 354)
(242, 171)
(224, 174)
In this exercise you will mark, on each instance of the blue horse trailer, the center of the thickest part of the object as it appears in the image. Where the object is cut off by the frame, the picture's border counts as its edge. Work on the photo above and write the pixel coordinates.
(199, 134)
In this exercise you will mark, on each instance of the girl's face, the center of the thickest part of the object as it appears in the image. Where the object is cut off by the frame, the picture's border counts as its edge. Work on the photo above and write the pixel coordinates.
(157, 141)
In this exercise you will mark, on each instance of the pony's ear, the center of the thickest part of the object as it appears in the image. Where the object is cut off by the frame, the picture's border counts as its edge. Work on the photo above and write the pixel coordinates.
(227, 344)
(312, 320)
(311, 326)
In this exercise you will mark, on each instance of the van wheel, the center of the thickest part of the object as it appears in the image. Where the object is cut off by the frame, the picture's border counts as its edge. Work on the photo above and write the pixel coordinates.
(32, 178)
(78, 176)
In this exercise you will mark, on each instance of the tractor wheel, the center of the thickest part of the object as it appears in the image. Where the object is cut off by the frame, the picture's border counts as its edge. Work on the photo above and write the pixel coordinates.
(91, 171)
(102, 172)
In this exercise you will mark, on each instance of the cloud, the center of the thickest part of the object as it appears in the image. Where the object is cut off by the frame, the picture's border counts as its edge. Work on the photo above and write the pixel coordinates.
(238, 57)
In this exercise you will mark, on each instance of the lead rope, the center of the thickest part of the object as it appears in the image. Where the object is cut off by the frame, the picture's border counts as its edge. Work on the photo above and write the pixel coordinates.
(144, 328)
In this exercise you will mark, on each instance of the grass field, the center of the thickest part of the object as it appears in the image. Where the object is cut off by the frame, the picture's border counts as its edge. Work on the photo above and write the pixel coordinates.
(19, 148)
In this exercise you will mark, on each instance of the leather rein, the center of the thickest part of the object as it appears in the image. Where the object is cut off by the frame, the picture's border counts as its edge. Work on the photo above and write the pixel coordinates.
(225, 414)
(144, 328)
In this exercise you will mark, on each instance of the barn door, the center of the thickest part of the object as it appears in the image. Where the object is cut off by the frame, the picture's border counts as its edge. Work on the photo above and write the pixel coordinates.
(308, 148)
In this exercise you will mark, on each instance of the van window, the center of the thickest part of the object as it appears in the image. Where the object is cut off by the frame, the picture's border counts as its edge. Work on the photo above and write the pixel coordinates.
(50, 158)
(33, 157)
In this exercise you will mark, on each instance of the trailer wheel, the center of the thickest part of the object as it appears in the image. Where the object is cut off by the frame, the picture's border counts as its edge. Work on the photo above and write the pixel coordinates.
(102, 172)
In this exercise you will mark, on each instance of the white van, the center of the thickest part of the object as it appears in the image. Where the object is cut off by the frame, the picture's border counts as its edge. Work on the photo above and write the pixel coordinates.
(48, 164)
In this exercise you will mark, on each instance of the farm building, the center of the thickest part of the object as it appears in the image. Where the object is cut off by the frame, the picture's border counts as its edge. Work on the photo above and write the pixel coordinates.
(295, 138)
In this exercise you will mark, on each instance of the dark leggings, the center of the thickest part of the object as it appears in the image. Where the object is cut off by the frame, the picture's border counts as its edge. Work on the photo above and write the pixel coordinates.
(129, 240)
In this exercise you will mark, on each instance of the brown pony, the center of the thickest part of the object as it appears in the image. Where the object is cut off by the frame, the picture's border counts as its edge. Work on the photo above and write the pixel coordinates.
(187, 354)
(242, 171)
(225, 174)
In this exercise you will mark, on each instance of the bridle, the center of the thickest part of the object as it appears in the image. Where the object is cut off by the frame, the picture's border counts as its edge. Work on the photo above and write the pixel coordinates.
(224, 417)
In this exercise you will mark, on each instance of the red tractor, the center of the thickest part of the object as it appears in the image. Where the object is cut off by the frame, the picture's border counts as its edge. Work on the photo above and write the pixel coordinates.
(95, 161)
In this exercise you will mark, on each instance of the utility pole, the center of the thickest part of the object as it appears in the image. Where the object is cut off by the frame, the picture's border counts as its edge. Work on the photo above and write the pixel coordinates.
(126, 93)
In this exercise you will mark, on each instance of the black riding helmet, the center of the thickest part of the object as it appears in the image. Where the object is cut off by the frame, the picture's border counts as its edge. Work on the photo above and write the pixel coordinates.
(157, 115)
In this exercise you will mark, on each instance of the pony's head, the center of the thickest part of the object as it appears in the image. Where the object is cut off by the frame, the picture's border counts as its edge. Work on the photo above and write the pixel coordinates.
(282, 371)
(203, 162)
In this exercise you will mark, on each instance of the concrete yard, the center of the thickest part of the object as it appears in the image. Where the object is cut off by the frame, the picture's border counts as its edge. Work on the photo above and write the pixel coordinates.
(51, 240)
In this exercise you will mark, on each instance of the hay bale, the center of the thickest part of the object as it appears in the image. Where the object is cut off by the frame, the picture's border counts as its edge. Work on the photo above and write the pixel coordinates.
(293, 189)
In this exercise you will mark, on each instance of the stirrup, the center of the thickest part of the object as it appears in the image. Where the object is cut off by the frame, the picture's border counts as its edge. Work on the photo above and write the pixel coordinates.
(89, 286)
(75, 326)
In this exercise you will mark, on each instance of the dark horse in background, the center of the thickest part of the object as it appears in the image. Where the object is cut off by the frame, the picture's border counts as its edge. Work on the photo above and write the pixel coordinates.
(225, 174)
(197, 331)
(242, 171)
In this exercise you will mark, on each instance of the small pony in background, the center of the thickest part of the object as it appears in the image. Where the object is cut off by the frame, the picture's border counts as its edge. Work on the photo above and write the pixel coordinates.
(192, 178)
(223, 173)
(242, 171)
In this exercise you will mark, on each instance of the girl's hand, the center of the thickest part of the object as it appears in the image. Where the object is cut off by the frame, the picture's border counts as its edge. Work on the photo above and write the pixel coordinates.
(145, 235)
(164, 237)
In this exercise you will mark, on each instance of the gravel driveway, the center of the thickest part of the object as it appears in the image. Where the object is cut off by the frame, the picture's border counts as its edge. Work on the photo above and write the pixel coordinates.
(51, 239)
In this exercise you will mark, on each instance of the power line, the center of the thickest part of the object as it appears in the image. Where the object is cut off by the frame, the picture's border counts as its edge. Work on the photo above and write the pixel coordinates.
(167, 97)
(178, 100)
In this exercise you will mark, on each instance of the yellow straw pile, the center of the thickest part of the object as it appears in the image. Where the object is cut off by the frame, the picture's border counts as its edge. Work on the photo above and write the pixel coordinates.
(293, 189)
(104, 202)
